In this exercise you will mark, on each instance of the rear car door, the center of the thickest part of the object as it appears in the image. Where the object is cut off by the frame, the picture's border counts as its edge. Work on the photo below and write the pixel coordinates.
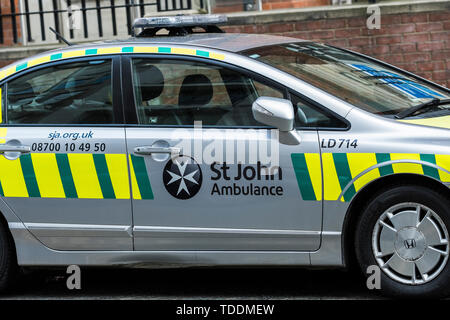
(63, 165)
(205, 175)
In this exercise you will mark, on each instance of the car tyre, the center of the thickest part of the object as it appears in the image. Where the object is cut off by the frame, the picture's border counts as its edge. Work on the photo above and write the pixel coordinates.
(8, 260)
(418, 265)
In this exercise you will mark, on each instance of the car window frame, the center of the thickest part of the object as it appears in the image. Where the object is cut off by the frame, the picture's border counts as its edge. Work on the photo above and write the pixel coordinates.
(320, 108)
(116, 87)
(131, 112)
(2, 103)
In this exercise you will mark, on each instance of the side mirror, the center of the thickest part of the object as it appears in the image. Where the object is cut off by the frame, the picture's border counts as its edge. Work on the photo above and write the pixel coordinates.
(278, 113)
(274, 112)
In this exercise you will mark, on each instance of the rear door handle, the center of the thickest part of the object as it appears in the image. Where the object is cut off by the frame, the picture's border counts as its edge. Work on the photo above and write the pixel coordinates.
(144, 150)
(10, 148)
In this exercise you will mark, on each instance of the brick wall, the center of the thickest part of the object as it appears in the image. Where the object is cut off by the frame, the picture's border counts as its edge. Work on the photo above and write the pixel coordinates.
(5, 63)
(418, 42)
(284, 4)
(237, 5)
(7, 22)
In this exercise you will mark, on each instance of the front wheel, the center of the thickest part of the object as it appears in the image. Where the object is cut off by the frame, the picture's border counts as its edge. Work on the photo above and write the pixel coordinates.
(404, 231)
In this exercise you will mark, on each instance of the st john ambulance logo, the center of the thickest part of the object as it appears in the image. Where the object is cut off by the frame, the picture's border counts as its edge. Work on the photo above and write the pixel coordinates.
(182, 177)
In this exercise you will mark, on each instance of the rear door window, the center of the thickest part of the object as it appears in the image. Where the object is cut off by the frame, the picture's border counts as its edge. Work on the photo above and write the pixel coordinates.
(69, 93)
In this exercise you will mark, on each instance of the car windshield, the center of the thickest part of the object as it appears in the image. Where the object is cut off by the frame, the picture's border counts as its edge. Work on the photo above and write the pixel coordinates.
(368, 85)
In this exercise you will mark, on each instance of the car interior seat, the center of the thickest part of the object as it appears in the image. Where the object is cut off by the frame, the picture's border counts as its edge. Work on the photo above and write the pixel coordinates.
(196, 92)
(151, 84)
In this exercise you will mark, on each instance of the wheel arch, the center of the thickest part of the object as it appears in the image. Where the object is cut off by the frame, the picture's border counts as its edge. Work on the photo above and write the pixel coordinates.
(371, 190)
(364, 178)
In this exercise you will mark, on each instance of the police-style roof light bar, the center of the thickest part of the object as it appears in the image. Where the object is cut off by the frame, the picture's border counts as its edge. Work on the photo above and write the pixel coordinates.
(179, 25)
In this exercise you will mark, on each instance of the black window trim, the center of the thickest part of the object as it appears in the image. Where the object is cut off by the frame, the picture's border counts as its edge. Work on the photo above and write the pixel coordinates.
(321, 108)
(116, 87)
(3, 87)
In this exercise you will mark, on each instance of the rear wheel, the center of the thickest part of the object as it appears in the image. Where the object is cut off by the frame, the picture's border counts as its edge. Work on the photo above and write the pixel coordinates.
(405, 232)
(8, 261)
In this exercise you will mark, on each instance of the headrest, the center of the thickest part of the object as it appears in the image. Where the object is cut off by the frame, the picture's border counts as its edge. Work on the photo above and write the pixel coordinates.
(196, 89)
(151, 81)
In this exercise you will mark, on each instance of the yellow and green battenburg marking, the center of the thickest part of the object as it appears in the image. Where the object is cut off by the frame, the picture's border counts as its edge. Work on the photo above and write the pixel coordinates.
(109, 50)
(140, 183)
(309, 175)
(339, 169)
(105, 176)
(76, 176)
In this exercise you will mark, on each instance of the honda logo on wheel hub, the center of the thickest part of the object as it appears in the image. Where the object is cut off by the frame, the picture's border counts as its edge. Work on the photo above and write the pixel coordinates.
(410, 243)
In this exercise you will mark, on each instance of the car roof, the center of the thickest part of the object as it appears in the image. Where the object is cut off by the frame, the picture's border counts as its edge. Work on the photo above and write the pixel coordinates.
(233, 42)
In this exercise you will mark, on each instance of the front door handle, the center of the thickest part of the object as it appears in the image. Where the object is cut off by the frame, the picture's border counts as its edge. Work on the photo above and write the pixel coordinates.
(144, 150)
(10, 148)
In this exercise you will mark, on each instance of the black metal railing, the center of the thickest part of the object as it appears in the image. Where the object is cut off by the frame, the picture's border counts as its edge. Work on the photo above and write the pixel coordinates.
(55, 11)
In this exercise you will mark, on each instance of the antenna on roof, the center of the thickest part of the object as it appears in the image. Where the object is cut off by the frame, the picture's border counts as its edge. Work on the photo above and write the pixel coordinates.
(60, 37)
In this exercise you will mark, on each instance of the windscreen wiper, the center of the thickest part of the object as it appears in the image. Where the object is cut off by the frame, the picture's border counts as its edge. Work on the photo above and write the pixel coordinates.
(431, 103)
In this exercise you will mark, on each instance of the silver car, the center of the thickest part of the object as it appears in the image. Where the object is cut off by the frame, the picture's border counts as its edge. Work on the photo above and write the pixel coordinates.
(213, 149)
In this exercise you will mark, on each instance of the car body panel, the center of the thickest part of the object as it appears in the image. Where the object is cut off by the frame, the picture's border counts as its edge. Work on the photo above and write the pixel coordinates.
(50, 180)
(237, 222)
(231, 42)
(439, 122)
(163, 237)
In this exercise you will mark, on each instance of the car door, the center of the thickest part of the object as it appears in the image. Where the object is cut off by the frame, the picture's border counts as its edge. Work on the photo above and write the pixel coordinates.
(63, 164)
(205, 175)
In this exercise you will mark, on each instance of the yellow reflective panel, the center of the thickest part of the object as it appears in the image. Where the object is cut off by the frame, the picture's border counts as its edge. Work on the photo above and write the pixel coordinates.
(440, 122)
(85, 176)
(332, 188)
(109, 50)
(443, 161)
(183, 51)
(73, 54)
(145, 49)
(134, 184)
(11, 178)
(118, 172)
(10, 71)
(315, 173)
(216, 56)
(406, 167)
(3, 134)
(38, 61)
(358, 162)
(47, 175)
